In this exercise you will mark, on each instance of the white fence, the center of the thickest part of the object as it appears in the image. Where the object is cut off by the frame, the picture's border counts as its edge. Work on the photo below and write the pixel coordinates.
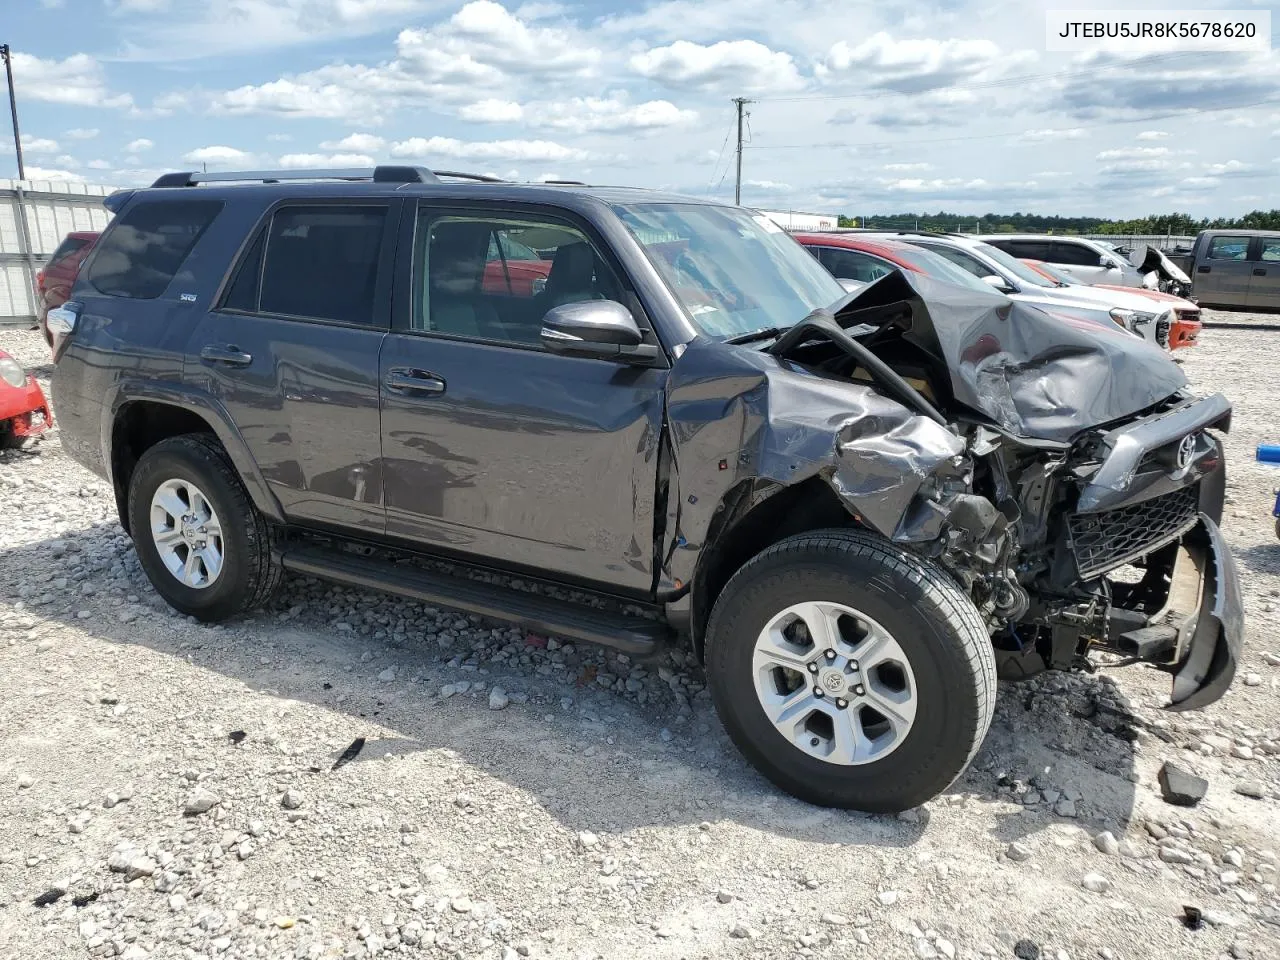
(34, 217)
(1160, 241)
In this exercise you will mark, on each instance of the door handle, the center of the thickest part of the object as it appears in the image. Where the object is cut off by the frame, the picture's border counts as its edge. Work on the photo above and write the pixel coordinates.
(1202, 269)
(232, 356)
(1259, 272)
(414, 381)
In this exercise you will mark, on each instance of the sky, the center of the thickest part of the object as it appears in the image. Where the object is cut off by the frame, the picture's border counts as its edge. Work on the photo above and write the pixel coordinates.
(862, 106)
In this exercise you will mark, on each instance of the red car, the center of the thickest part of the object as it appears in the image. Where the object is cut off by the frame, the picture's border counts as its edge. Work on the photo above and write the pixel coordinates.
(24, 412)
(514, 271)
(851, 257)
(55, 280)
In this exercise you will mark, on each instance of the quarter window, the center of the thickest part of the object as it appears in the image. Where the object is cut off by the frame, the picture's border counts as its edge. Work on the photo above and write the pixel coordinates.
(320, 263)
(493, 278)
(146, 248)
(1229, 248)
(1270, 250)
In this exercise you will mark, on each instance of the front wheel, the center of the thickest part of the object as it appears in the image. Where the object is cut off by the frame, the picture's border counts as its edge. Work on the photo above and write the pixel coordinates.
(849, 672)
(203, 545)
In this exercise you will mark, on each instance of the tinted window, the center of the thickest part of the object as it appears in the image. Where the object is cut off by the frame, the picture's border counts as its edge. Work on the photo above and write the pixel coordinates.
(1228, 248)
(322, 263)
(148, 245)
(852, 265)
(494, 277)
(243, 294)
(66, 248)
(1270, 250)
(1025, 249)
(1073, 254)
(962, 260)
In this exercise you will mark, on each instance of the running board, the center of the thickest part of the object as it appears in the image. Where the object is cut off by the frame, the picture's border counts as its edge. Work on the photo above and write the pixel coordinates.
(632, 635)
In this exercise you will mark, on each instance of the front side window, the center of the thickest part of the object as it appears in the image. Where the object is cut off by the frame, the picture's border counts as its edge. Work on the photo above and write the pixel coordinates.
(146, 248)
(320, 263)
(732, 271)
(1074, 255)
(492, 277)
(1025, 249)
(1229, 248)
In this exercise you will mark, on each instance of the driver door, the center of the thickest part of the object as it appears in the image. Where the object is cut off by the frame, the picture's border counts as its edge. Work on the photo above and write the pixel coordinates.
(494, 447)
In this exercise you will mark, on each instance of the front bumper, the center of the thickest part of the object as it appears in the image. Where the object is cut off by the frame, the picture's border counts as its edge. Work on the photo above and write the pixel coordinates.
(25, 409)
(1198, 631)
(1184, 333)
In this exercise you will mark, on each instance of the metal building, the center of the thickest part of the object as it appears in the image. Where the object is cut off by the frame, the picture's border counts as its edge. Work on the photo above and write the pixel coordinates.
(49, 211)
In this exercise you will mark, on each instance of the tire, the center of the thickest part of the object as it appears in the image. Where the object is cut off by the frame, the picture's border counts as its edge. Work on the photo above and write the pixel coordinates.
(949, 677)
(249, 572)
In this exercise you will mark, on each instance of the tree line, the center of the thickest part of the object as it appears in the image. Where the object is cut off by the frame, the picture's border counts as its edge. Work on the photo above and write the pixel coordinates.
(1166, 223)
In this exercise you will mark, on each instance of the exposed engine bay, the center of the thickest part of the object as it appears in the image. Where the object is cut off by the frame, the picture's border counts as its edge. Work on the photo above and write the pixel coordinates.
(1079, 505)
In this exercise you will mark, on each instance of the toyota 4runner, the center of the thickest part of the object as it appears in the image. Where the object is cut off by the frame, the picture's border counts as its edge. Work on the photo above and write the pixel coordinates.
(857, 508)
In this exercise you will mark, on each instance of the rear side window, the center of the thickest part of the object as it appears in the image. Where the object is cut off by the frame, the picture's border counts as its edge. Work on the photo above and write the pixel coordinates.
(147, 246)
(1229, 248)
(320, 263)
(1025, 249)
(1270, 250)
(853, 265)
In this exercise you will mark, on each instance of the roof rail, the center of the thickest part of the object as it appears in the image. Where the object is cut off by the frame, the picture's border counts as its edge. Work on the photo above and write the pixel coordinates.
(478, 177)
(380, 174)
(564, 183)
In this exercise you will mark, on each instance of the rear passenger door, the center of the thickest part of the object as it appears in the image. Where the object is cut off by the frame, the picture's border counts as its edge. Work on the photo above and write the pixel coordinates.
(1264, 282)
(494, 447)
(292, 351)
(1223, 273)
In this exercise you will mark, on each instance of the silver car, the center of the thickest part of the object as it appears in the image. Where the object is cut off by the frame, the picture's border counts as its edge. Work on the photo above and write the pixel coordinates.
(1086, 260)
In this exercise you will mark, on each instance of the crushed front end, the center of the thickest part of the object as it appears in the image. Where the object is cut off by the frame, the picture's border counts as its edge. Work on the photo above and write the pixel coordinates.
(1118, 549)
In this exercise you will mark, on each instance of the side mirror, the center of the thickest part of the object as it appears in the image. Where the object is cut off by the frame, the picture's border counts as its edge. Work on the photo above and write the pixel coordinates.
(592, 328)
(999, 283)
(1108, 263)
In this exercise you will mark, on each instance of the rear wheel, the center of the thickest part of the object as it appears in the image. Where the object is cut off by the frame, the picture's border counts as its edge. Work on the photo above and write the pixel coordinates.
(203, 545)
(851, 673)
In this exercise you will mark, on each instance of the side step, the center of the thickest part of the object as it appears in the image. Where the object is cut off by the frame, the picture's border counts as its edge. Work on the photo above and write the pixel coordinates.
(632, 635)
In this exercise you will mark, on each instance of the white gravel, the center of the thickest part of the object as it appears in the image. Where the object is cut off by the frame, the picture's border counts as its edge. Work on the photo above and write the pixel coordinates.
(169, 789)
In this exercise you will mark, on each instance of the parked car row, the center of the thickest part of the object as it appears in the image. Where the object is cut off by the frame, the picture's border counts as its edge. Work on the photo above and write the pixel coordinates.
(857, 509)
(867, 255)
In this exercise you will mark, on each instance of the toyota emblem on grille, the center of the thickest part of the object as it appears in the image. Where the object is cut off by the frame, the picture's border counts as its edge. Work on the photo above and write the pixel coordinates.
(1185, 451)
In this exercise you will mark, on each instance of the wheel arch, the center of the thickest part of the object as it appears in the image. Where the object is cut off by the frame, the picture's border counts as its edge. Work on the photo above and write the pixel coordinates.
(751, 517)
(142, 415)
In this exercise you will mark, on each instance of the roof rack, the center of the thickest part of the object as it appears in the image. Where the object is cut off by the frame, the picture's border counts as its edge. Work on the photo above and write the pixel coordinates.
(478, 177)
(380, 174)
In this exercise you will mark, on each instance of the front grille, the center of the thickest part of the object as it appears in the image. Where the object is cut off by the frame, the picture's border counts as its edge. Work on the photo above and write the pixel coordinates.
(1104, 541)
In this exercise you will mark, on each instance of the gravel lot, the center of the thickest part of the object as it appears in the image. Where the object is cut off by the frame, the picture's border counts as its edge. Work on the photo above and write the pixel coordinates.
(169, 789)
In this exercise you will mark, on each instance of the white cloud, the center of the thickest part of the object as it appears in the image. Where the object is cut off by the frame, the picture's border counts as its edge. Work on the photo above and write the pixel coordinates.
(80, 133)
(1233, 168)
(137, 146)
(769, 186)
(218, 154)
(1153, 135)
(743, 65)
(32, 144)
(1134, 153)
(1051, 133)
(98, 165)
(79, 80)
(47, 173)
(66, 160)
(297, 161)
(141, 6)
(279, 137)
(915, 64)
(907, 167)
(492, 110)
(355, 143)
(532, 151)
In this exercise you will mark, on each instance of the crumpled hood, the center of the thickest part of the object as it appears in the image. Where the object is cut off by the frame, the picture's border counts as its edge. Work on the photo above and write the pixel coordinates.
(1038, 374)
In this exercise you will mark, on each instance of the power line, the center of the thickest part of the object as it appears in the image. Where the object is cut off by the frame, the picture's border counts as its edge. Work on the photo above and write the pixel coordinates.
(1154, 118)
(711, 184)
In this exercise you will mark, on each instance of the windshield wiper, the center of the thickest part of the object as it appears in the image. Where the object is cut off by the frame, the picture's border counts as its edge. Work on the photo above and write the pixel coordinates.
(764, 333)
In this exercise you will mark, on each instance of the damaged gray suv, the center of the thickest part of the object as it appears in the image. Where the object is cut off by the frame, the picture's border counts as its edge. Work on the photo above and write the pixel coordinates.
(858, 509)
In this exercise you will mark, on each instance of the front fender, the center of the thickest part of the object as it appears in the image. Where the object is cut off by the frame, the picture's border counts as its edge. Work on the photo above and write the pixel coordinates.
(207, 408)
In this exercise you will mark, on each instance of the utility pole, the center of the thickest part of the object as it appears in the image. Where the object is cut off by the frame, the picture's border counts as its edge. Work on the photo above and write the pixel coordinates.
(742, 114)
(13, 109)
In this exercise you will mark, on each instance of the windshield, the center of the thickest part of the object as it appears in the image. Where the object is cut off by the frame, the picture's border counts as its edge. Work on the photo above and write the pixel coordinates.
(1014, 266)
(940, 268)
(732, 270)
